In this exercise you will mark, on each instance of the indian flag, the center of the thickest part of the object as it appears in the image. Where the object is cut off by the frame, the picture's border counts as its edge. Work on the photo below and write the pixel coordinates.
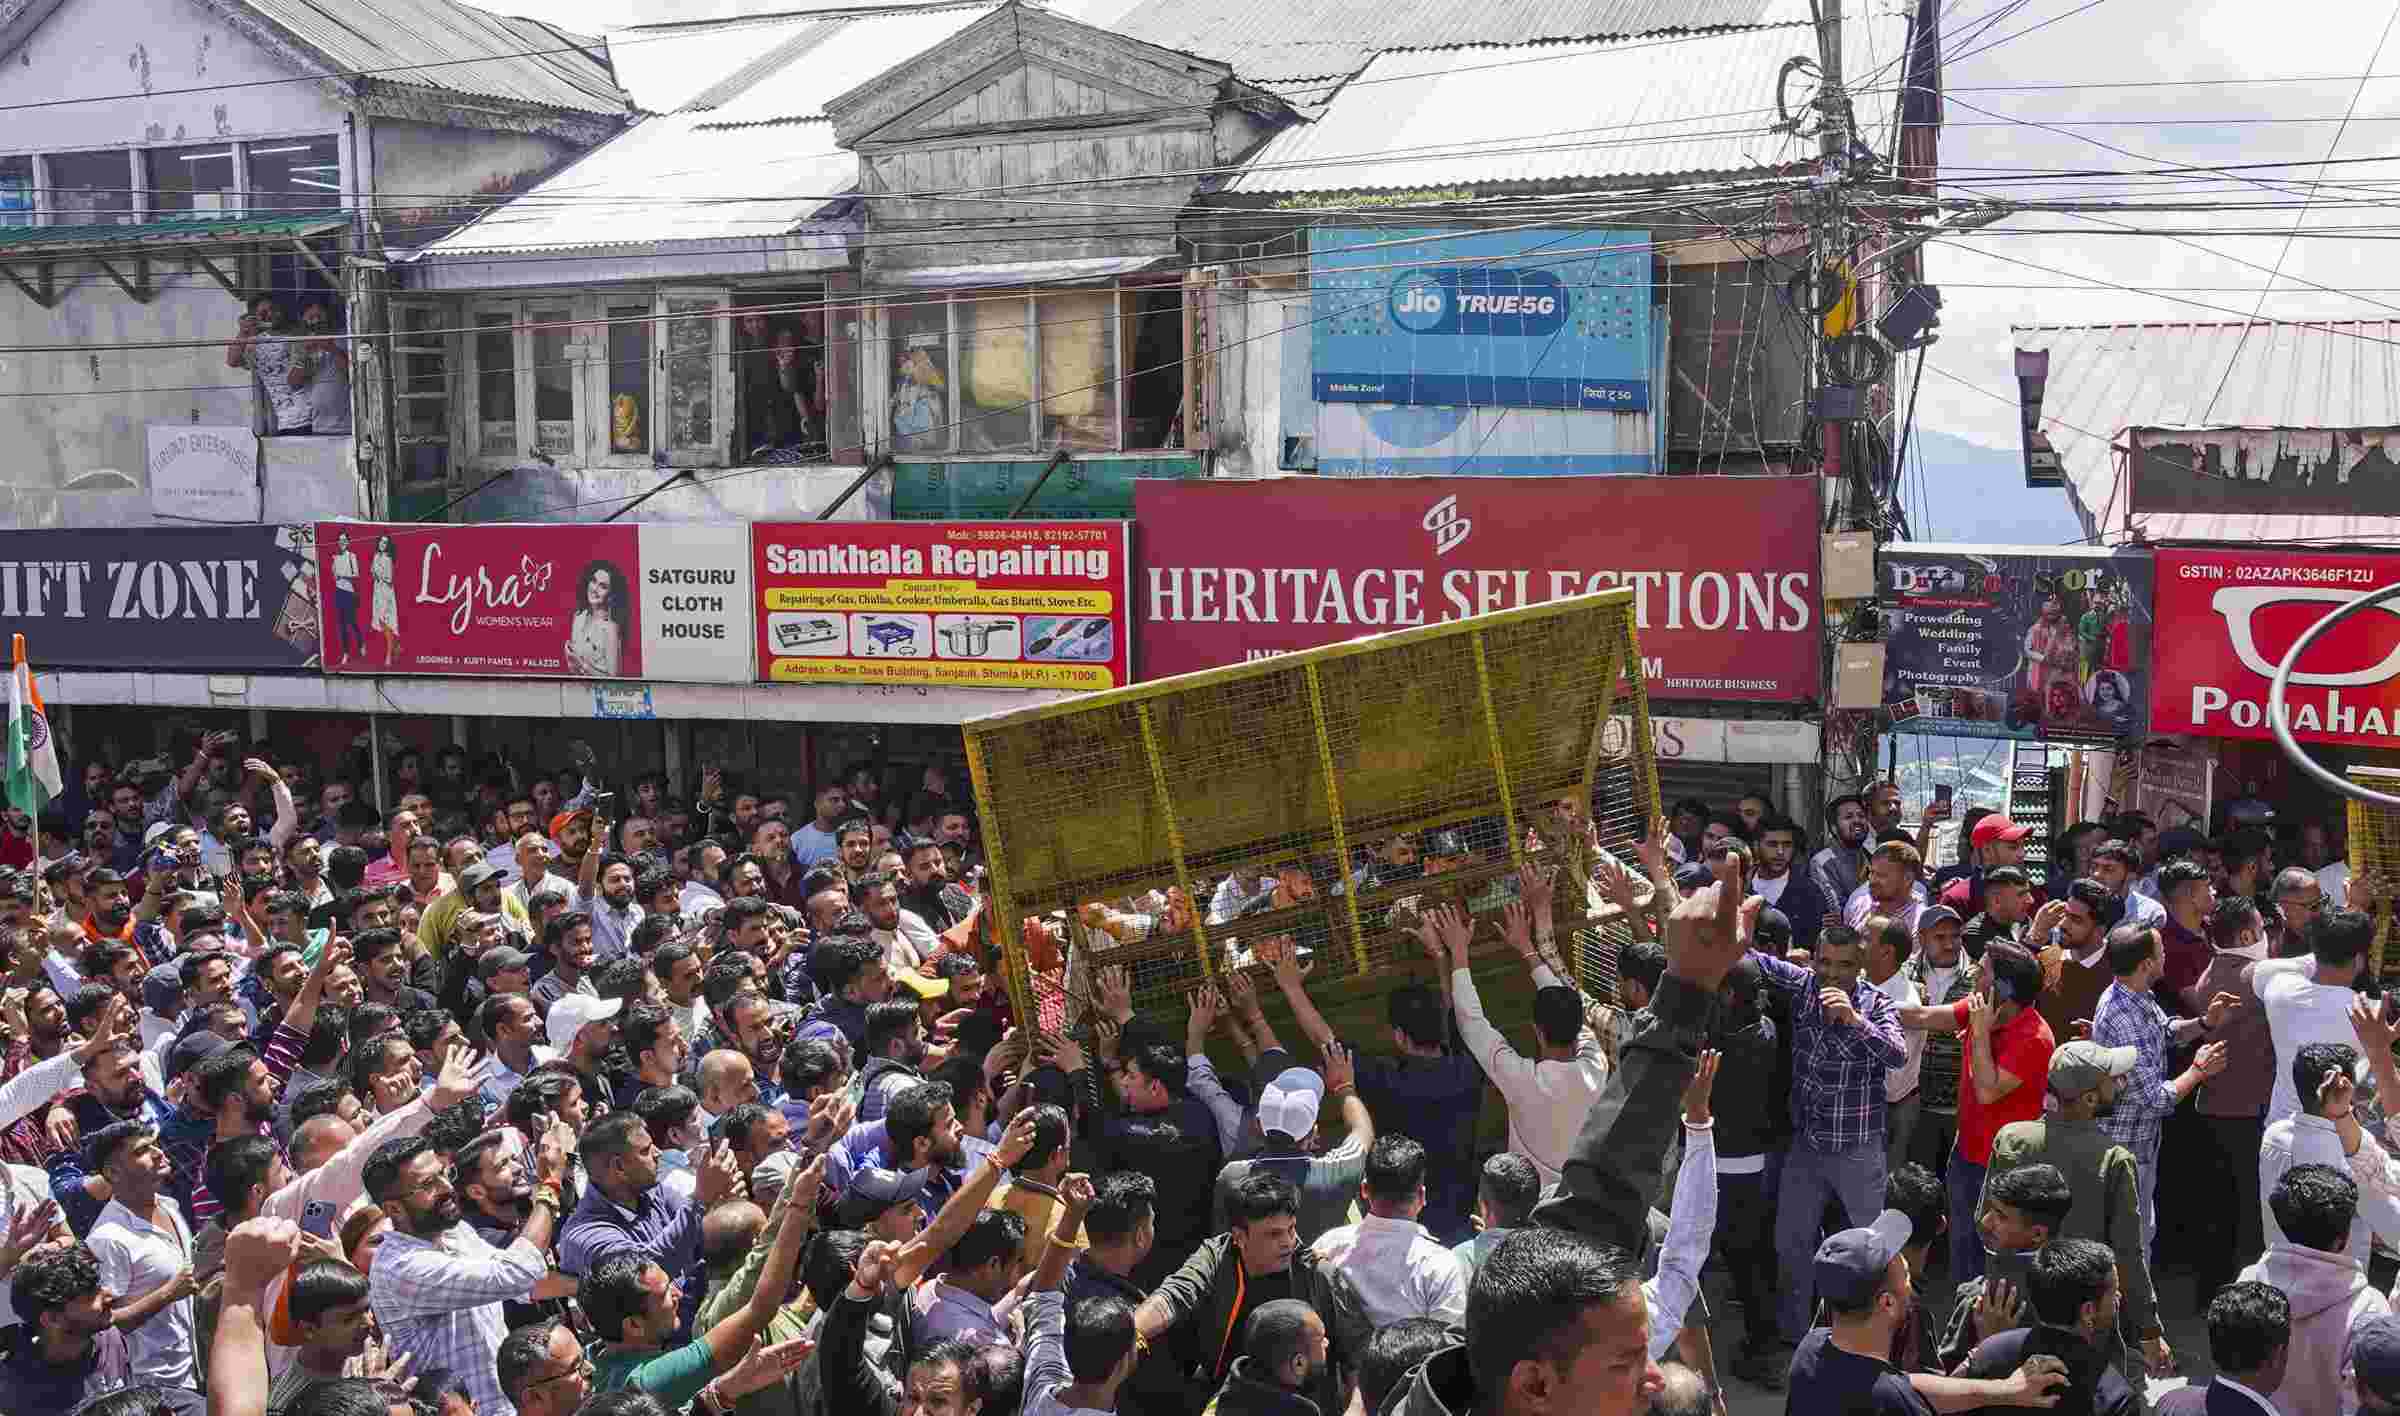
(33, 777)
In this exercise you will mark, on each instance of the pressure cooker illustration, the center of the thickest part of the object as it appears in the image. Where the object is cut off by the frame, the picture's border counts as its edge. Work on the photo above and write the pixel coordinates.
(970, 639)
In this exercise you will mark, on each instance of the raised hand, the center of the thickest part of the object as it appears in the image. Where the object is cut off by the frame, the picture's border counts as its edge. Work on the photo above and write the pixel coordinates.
(1516, 928)
(1206, 1004)
(1076, 1194)
(1703, 937)
(28, 1229)
(720, 1175)
(1839, 1010)
(1697, 1091)
(1340, 1070)
(1997, 1310)
(1241, 994)
(1979, 1012)
(461, 1077)
(876, 1263)
(1537, 887)
(61, 1128)
(2374, 1034)
(551, 1152)
(828, 1121)
(1116, 992)
(1105, 1033)
(804, 1188)
(1653, 847)
(2218, 1006)
(764, 1365)
(256, 1251)
(1017, 1141)
(1060, 1051)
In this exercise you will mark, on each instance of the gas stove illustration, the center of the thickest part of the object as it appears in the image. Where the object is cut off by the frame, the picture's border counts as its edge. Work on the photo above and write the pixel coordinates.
(793, 634)
(890, 637)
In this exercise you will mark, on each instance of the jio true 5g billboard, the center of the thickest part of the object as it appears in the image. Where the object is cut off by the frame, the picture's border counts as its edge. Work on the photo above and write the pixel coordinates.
(1513, 319)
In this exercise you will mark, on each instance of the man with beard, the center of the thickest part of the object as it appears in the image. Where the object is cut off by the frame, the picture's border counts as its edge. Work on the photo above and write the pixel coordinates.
(437, 1287)
(239, 1089)
(2086, 1079)
(605, 892)
(41, 1037)
(908, 941)
(701, 869)
(381, 959)
(626, 1211)
(1843, 863)
(496, 1195)
(1784, 884)
(573, 831)
(851, 976)
(111, 917)
(925, 891)
(304, 861)
(784, 880)
(894, 1056)
(583, 1030)
(567, 938)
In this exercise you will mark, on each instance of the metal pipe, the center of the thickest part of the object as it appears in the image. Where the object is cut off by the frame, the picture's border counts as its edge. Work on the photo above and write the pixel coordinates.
(850, 491)
(2333, 781)
(654, 491)
(1056, 460)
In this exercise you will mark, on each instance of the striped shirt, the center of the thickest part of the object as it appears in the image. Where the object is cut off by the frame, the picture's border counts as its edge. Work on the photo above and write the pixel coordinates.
(1838, 1073)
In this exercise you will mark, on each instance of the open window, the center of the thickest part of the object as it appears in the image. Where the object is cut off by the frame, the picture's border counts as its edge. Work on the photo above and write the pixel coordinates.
(1084, 368)
(621, 379)
(422, 360)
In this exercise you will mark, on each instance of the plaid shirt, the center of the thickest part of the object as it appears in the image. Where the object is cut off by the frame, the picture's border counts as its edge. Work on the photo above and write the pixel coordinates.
(25, 1143)
(2125, 1018)
(1837, 1072)
(1945, 1057)
(281, 1056)
(441, 1301)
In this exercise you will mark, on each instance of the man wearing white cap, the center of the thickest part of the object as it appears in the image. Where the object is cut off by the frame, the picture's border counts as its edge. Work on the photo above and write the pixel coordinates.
(583, 1029)
(1287, 1114)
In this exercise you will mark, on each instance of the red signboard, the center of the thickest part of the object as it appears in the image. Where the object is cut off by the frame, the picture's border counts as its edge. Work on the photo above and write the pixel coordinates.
(1723, 569)
(962, 604)
(2227, 618)
(507, 600)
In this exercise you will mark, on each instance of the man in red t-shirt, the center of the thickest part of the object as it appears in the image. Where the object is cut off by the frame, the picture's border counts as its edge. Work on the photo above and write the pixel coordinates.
(2008, 1064)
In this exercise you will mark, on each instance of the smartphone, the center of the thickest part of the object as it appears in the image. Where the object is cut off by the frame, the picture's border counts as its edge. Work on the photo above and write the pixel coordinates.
(604, 802)
(1942, 793)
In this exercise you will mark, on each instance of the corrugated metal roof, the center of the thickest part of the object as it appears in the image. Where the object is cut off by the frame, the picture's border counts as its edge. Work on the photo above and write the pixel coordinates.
(517, 59)
(669, 179)
(2107, 378)
(1652, 106)
(665, 66)
(835, 57)
(176, 231)
(1273, 41)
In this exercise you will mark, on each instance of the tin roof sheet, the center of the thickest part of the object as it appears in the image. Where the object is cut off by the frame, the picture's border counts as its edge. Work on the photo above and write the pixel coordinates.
(1273, 41)
(1654, 105)
(835, 56)
(670, 179)
(2286, 374)
(443, 45)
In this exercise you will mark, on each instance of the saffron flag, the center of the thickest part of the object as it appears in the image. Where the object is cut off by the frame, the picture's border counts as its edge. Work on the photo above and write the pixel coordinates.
(33, 776)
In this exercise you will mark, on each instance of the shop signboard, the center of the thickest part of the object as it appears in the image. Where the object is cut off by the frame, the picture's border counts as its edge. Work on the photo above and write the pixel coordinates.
(2226, 619)
(960, 604)
(1510, 319)
(668, 603)
(1724, 569)
(204, 473)
(2047, 643)
(164, 599)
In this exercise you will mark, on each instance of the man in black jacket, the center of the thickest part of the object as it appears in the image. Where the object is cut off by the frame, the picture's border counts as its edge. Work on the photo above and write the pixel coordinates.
(1198, 1312)
(2072, 1285)
(1283, 1351)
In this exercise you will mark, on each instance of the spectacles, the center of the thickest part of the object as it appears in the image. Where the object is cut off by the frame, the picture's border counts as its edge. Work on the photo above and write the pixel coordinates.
(583, 1368)
(2239, 605)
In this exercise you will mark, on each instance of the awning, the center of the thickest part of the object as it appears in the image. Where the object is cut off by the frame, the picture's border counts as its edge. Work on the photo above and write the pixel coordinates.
(1062, 272)
(122, 252)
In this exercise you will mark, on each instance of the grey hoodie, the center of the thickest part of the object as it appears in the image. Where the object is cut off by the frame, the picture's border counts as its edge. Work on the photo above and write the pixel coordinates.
(2329, 1295)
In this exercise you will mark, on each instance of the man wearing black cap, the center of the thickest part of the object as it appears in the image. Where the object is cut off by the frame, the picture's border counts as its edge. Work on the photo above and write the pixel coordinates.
(1868, 1294)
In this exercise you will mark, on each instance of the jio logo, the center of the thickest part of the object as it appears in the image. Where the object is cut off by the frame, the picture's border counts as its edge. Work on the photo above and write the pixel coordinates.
(1418, 303)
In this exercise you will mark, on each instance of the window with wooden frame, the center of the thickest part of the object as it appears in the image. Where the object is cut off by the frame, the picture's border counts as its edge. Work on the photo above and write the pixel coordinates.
(625, 378)
(1085, 368)
(423, 354)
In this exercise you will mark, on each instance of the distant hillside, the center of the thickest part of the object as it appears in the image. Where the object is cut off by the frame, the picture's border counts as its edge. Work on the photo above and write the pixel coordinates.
(1979, 494)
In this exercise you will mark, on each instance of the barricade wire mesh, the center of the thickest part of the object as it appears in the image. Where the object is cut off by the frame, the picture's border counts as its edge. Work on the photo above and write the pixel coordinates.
(2375, 846)
(1326, 796)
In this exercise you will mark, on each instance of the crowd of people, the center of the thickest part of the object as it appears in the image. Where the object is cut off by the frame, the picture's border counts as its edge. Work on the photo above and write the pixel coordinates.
(522, 1097)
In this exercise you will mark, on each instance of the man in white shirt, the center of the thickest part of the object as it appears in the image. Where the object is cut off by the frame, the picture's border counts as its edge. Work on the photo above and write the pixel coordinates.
(1888, 948)
(2308, 1000)
(2326, 1131)
(1398, 1270)
(906, 939)
(145, 1251)
(1550, 1093)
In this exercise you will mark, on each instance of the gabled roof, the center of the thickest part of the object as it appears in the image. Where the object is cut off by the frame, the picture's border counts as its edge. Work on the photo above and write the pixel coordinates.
(2105, 379)
(446, 47)
(1677, 105)
(1301, 50)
